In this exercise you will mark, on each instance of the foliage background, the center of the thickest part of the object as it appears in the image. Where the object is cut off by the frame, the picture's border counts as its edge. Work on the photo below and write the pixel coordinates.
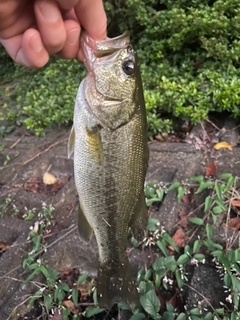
(189, 54)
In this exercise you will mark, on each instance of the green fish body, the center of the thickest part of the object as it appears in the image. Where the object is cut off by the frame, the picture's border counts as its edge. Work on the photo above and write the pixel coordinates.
(109, 140)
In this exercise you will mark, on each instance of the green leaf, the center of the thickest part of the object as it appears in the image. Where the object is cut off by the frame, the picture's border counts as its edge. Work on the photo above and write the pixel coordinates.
(151, 201)
(162, 246)
(225, 176)
(209, 230)
(95, 299)
(197, 245)
(148, 274)
(150, 303)
(157, 280)
(220, 311)
(48, 300)
(89, 312)
(152, 224)
(160, 194)
(168, 315)
(188, 250)
(217, 210)
(197, 221)
(197, 179)
(142, 288)
(179, 278)
(82, 278)
(208, 316)
(234, 316)
(138, 316)
(181, 192)
(207, 204)
(218, 189)
(230, 183)
(221, 204)
(183, 259)
(199, 257)
(170, 307)
(168, 239)
(235, 283)
(37, 295)
(227, 280)
(195, 311)
(174, 186)
(64, 286)
(75, 296)
(203, 186)
(182, 316)
(124, 306)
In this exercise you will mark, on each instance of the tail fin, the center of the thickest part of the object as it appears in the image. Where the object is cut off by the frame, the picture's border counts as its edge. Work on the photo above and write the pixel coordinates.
(116, 284)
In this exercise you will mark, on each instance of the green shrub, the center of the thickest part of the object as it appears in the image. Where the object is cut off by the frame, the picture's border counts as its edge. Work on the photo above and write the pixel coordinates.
(189, 53)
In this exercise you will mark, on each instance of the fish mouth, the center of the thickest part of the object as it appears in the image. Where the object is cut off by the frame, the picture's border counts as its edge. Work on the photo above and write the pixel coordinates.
(95, 49)
(107, 46)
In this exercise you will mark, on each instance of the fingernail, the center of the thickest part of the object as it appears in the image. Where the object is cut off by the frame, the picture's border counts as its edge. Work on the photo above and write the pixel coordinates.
(73, 37)
(49, 11)
(36, 44)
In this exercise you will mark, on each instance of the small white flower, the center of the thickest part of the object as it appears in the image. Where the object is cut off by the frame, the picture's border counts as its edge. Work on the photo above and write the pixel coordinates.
(194, 262)
(229, 299)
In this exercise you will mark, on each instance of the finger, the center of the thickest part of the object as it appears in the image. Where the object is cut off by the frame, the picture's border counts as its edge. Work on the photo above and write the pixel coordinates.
(27, 49)
(92, 18)
(67, 5)
(71, 46)
(17, 21)
(50, 25)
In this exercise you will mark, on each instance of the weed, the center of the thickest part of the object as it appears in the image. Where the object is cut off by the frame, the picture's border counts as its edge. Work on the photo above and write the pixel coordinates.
(167, 272)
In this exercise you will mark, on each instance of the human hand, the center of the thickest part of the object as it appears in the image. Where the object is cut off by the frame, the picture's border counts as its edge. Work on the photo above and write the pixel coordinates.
(32, 30)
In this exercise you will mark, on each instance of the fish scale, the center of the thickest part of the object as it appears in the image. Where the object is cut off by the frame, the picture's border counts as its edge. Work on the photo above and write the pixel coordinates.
(109, 140)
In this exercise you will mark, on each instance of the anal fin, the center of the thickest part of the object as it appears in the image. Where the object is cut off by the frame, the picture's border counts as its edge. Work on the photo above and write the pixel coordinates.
(85, 230)
(138, 222)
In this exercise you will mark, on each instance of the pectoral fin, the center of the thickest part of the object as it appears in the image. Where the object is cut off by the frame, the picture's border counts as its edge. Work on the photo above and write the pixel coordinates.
(95, 144)
(71, 142)
(85, 230)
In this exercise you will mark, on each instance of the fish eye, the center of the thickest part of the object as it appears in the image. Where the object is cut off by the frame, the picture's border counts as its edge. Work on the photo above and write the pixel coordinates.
(128, 67)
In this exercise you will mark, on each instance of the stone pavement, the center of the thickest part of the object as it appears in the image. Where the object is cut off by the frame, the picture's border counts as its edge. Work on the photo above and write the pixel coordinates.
(29, 157)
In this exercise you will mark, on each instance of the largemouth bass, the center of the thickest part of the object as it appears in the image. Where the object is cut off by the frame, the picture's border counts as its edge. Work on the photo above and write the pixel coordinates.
(109, 140)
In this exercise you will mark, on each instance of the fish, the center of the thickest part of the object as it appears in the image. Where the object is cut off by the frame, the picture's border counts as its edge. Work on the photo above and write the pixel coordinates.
(109, 143)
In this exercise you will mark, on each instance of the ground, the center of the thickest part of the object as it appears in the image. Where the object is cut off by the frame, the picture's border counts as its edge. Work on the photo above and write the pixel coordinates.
(25, 158)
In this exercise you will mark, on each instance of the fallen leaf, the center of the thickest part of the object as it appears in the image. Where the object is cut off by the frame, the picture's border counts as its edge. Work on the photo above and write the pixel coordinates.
(234, 224)
(179, 238)
(235, 203)
(4, 246)
(71, 306)
(221, 145)
(211, 170)
(48, 178)
(159, 138)
(187, 198)
(183, 218)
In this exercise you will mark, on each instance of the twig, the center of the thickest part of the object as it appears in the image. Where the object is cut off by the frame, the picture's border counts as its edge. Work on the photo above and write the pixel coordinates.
(213, 124)
(190, 287)
(36, 155)
(15, 143)
(50, 245)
